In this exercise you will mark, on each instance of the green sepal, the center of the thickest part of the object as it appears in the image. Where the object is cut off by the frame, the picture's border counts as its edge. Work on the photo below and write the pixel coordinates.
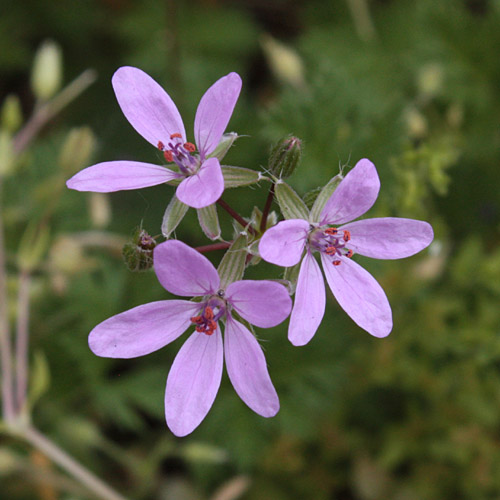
(291, 276)
(209, 221)
(240, 176)
(175, 212)
(232, 265)
(323, 197)
(291, 204)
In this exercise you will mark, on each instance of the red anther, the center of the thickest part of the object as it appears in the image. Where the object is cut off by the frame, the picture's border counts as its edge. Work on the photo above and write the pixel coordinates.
(336, 262)
(331, 231)
(209, 314)
(331, 250)
(168, 156)
(161, 146)
(349, 254)
(196, 319)
(347, 235)
(176, 136)
(189, 146)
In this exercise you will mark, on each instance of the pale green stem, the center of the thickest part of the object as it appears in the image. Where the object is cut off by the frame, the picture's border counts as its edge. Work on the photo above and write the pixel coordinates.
(47, 111)
(8, 410)
(22, 338)
(70, 465)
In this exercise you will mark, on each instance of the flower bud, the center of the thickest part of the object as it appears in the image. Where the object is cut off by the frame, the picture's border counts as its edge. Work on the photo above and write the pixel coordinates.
(11, 114)
(138, 253)
(223, 147)
(285, 156)
(284, 62)
(76, 150)
(46, 75)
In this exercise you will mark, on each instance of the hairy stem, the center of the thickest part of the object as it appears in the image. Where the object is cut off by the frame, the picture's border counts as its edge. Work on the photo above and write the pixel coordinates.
(69, 464)
(267, 208)
(22, 338)
(8, 410)
(214, 246)
(236, 216)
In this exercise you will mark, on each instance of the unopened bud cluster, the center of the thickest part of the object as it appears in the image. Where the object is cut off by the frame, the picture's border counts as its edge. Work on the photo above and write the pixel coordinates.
(138, 253)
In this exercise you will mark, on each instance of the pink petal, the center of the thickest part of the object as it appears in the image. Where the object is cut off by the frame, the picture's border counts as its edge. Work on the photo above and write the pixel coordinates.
(193, 382)
(283, 244)
(147, 106)
(203, 188)
(389, 237)
(112, 176)
(183, 271)
(262, 303)
(355, 195)
(247, 369)
(309, 307)
(142, 330)
(214, 111)
(359, 295)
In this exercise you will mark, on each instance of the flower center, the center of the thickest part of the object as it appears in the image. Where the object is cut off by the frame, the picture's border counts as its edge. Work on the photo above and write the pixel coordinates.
(212, 310)
(331, 241)
(180, 153)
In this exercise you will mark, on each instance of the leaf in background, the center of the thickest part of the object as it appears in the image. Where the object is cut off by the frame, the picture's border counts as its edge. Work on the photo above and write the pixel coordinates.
(323, 197)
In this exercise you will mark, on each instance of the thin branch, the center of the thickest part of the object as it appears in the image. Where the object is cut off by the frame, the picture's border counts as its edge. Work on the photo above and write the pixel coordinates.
(267, 208)
(50, 109)
(8, 410)
(69, 464)
(22, 338)
(236, 216)
(214, 246)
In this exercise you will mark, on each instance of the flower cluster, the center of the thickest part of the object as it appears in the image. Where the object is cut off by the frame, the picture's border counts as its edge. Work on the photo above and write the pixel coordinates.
(221, 299)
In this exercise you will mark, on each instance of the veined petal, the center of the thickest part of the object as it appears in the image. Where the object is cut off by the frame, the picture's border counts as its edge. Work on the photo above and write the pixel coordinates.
(111, 176)
(309, 307)
(355, 195)
(389, 237)
(247, 369)
(193, 382)
(359, 295)
(184, 271)
(214, 111)
(142, 330)
(284, 243)
(262, 303)
(203, 188)
(147, 107)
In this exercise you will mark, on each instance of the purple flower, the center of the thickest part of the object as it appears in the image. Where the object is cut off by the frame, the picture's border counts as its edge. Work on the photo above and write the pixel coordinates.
(357, 292)
(154, 115)
(196, 373)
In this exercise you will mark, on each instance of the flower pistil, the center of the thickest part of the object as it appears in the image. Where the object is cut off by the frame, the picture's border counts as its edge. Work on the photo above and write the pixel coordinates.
(180, 153)
(332, 242)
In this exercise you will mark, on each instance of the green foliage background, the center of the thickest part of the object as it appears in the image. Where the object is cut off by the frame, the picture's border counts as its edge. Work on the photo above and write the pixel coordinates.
(414, 416)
